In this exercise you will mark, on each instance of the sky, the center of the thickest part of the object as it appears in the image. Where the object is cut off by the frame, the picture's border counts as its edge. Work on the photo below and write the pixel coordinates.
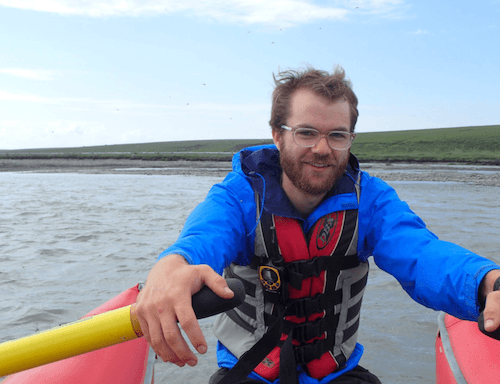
(99, 72)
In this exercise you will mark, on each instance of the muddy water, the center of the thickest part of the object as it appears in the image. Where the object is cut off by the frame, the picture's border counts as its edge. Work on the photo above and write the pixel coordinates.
(71, 241)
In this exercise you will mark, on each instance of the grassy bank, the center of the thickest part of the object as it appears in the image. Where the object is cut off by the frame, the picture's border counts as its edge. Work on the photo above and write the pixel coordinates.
(202, 150)
(465, 144)
(461, 145)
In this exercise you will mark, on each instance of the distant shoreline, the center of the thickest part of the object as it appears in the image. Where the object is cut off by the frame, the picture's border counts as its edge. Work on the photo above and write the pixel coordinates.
(487, 175)
(116, 166)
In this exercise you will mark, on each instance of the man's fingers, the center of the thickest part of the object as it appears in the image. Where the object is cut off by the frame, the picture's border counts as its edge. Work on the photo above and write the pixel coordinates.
(176, 348)
(157, 342)
(162, 333)
(172, 335)
(167, 298)
(190, 325)
(216, 283)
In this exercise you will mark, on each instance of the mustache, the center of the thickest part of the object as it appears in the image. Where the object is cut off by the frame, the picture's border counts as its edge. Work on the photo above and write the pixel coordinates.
(328, 160)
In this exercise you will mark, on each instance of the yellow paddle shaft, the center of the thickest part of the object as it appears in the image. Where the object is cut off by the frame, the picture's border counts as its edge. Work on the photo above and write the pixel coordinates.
(85, 335)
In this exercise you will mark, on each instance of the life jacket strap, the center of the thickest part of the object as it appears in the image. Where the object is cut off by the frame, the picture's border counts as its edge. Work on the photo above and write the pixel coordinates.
(297, 271)
(250, 359)
(307, 331)
(288, 362)
(317, 304)
(308, 352)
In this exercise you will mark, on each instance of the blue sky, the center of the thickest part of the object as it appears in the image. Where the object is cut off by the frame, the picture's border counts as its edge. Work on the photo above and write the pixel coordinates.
(94, 72)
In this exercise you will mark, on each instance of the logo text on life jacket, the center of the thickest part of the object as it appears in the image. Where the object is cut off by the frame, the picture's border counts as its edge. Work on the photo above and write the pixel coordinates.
(267, 362)
(326, 230)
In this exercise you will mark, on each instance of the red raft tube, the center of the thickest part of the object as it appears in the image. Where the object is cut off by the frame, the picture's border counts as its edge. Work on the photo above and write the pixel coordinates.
(464, 355)
(128, 363)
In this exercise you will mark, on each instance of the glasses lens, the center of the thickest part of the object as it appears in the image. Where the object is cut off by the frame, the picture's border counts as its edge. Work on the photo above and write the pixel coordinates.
(306, 137)
(339, 139)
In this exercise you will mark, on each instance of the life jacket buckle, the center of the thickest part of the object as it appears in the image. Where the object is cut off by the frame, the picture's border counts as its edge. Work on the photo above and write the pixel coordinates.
(301, 355)
(302, 307)
(270, 278)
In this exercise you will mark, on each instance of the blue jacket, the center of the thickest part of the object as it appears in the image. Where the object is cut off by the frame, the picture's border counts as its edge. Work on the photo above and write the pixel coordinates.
(437, 274)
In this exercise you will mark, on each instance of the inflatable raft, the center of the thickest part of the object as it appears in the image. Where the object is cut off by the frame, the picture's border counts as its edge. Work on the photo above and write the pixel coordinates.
(128, 363)
(464, 355)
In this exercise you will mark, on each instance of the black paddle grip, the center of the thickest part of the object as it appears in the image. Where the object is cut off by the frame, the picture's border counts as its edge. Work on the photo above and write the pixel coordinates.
(206, 303)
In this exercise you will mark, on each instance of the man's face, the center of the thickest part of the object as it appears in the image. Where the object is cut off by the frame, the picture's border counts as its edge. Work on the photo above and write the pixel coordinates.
(313, 171)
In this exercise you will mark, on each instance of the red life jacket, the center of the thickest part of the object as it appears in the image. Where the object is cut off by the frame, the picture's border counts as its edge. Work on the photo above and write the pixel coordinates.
(330, 238)
(315, 282)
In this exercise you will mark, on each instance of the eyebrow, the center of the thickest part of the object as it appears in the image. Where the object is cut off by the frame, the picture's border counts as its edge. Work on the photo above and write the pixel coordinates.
(305, 125)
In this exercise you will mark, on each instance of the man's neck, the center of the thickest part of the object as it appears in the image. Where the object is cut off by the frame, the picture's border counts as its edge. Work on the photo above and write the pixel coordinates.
(304, 203)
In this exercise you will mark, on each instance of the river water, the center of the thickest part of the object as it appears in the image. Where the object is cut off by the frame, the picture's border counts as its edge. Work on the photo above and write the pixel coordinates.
(71, 241)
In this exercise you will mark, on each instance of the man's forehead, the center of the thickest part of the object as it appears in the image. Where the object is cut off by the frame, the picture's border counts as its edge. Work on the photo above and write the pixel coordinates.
(304, 97)
(310, 110)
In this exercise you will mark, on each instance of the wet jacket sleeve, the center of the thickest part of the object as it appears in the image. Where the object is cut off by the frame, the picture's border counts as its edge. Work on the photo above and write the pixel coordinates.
(216, 231)
(438, 274)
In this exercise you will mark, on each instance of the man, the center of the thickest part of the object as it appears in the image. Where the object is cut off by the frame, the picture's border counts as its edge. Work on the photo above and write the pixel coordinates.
(297, 222)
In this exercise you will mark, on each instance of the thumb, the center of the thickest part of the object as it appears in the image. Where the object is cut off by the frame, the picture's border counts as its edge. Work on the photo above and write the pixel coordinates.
(489, 325)
(489, 319)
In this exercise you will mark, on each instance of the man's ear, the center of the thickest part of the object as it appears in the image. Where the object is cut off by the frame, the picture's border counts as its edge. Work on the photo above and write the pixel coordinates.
(277, 138)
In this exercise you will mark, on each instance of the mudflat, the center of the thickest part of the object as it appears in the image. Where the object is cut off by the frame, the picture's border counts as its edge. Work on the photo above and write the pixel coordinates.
(116, 166)
(473, 174)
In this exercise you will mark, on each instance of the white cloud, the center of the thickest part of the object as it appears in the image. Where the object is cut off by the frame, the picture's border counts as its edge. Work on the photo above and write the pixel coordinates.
(420, 32)
(32, 74)
(270, 12)
(285, 12)
(7, 96)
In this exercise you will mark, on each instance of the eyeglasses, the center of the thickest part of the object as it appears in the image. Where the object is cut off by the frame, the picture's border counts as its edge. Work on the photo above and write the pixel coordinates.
(309, 137)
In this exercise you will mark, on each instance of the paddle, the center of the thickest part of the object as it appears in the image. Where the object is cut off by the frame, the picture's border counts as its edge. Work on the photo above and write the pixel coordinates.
(99, 331)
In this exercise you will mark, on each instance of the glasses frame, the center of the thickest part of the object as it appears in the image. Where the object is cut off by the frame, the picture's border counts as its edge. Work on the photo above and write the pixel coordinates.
(321, 135)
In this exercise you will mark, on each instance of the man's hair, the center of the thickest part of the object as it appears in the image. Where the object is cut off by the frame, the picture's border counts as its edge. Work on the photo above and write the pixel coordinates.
(333, 87)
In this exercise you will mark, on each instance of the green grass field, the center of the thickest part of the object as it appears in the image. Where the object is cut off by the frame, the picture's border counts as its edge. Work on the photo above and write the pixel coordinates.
(461, 145)
(465, 144)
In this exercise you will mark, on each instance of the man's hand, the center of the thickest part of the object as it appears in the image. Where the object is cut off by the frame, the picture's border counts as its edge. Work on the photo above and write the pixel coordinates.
(166, 299)
(492, 309)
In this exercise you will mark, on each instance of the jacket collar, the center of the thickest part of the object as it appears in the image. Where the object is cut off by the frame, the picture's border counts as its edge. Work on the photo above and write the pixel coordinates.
(261, 166)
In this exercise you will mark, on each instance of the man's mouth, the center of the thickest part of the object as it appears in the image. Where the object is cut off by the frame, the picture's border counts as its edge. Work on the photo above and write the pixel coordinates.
(319, 165)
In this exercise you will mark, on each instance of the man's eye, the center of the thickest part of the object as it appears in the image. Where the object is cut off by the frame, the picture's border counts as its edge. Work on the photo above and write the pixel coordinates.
(337, 135)
(306, 133)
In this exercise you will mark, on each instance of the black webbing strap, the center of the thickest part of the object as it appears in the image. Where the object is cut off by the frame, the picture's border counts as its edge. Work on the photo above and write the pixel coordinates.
(250, 287)
(288, 364)
(251, 358)
(307, 352)
(308, 305)
(300, 270)
(303, 332)
(238, 320)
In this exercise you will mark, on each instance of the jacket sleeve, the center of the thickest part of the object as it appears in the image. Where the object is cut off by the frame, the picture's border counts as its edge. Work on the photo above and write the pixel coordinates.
(437, 274)
(219, 230)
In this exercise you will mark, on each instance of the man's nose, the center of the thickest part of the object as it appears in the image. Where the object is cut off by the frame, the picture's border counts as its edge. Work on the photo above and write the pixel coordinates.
(322, 147)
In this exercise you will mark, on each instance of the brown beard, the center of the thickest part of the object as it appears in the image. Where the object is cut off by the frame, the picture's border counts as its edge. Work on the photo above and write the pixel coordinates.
(293, 168)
